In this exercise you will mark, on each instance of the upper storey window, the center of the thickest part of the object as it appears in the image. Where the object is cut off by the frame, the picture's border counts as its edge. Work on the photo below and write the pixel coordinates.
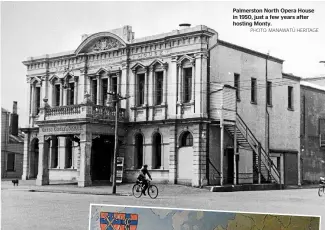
(38, 99)
(70, 92)
(253, 91)
(187, 84)
(57, 95)
(140, 88)
(159, 87)
(290, 97)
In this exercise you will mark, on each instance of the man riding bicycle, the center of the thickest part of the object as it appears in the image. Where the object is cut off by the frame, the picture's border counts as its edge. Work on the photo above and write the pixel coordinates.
(142, 178)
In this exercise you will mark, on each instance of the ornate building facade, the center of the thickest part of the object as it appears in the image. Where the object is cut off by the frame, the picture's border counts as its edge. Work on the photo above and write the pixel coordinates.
(186, 115)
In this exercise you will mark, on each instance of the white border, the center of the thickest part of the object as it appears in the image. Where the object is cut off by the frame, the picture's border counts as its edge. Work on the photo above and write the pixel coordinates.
(204, 210)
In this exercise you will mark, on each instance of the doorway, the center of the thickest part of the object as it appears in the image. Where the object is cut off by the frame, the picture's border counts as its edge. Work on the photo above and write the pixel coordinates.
(102, 152)
(34, 159)
(230, 166)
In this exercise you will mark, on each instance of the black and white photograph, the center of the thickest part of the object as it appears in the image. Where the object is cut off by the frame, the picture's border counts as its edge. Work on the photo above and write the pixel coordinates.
(205, 105)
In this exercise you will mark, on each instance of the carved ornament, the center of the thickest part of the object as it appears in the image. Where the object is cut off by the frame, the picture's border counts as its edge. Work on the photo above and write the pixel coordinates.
(106, 44)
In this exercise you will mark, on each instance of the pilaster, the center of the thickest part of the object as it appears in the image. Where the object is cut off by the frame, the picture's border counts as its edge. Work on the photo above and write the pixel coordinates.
(43, 172)
(85, 157)
(75, 96)
(171, 93)
(26, 156)
(172, 155)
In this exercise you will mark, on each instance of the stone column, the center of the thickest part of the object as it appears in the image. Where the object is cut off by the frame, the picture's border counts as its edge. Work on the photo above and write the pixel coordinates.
(179, 84)
(61, 92)
(29, 99)
(146, 87)
(26, 156)
(43, 172)
(33, 109)
(85, 156)
(198, 84)
(61, 152)
(125, 81)
(193, 82)
(82, 85)
(151, 80)
(98, 90)
(165, 84)
(172, 89)
(75, 96)
(134, 83)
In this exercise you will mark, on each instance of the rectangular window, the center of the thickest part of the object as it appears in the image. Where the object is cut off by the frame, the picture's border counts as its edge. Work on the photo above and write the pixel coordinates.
(290, 97)
(70, 94)
(38, 99)
(11, 162)
(114, 84)
(57, 95)
(269, 93)
(104, 91)
(237, 85)
(187, 84)
(159, 87)
(253, 90)
(140, 89)
(95, 92)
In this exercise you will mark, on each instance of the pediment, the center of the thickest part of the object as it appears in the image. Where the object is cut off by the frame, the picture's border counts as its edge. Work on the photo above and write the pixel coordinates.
(99, 42)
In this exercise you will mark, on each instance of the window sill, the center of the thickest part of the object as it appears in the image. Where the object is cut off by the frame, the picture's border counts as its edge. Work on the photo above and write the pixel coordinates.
(10, 170)
(291, 109)
(158, 106)
(185, 103)
(65, 169)
(139, 107)
(253, 102)
(238, 100)
(270, 106)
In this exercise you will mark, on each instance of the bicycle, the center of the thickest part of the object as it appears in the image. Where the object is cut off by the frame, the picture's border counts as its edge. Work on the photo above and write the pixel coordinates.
(321, 189)
(137, 190)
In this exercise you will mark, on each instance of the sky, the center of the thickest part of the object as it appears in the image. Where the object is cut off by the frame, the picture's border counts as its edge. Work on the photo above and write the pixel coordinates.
(38, 28)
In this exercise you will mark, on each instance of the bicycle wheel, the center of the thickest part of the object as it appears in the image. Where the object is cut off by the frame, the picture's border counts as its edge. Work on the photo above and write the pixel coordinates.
(321, 191)
(153, 191)
(137, 190)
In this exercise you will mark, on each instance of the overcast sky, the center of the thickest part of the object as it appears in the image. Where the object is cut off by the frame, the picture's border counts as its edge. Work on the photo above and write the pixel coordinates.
(37, 28)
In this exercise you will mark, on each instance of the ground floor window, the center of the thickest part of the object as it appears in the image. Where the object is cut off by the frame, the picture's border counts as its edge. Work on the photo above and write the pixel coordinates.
(187, 139)
(156, 151)
(11, 162)
(139, 151)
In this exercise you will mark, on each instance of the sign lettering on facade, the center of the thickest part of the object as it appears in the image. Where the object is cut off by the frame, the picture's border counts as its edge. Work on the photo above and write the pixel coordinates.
(67, 128)
(150, 54)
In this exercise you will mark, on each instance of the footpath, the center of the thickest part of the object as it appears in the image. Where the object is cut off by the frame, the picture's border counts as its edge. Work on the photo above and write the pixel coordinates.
(121, 189)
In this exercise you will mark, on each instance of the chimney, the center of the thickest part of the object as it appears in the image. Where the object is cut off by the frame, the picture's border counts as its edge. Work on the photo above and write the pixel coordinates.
(14, 120)
(184, 26)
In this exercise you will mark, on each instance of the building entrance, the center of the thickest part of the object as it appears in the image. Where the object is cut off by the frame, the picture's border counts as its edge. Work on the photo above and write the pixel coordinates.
(102, 153)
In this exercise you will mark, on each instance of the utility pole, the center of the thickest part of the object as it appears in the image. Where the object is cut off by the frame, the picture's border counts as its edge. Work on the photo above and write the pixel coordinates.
(116, 101)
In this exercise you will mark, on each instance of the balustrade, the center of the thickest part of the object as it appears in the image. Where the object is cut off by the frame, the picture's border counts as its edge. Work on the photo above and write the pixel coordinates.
(94, 111)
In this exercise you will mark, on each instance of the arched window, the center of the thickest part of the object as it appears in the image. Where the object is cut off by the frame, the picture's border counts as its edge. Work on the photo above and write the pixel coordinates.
(156, 153)
(187, 139)
(138, 151)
